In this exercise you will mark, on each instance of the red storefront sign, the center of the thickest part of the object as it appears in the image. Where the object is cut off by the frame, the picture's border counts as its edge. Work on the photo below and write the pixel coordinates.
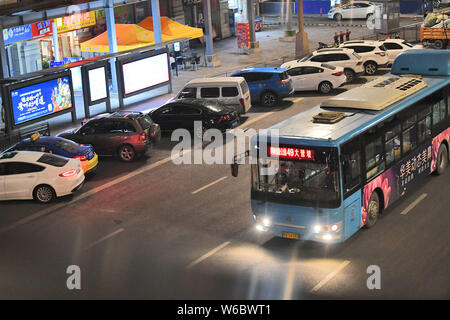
(243, 35)
(42, 29)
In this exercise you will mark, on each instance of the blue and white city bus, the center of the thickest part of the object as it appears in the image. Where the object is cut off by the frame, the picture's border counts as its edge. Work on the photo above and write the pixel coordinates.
(340, 164)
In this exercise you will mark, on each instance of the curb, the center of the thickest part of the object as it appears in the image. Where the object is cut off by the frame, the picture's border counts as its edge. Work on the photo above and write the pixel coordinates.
(333, 25)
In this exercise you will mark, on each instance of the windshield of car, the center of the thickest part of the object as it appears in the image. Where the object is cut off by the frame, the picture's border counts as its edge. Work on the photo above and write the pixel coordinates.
(406, 43)
(67, 145)
(306, 58)
(213, 108)
(145, 122)
(53, 160)
(313, 183)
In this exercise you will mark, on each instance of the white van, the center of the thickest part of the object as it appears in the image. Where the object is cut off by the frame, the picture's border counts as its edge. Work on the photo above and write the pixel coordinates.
(230, 91)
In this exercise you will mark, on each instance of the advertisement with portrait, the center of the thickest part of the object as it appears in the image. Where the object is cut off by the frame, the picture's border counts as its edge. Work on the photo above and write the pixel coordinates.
(40, 99)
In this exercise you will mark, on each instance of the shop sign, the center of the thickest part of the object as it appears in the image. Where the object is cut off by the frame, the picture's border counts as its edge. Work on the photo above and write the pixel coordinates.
(75, 21)
(16, 34)
(42, 29)
(243, 35)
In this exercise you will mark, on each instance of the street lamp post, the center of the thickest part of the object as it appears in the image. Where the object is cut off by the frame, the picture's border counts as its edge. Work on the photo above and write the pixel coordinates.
(301, 40)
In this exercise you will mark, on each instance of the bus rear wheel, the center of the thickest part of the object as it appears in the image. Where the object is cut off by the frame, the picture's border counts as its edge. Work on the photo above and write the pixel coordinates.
(373, 210)
(442, 159)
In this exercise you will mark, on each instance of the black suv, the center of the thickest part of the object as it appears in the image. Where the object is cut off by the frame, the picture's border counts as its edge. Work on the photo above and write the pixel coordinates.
(125, 134)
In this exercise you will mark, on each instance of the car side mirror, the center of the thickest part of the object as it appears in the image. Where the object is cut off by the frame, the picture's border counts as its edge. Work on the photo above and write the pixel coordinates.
(235, 170)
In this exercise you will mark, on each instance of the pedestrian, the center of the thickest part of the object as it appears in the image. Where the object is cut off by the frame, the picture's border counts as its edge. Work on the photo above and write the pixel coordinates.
(336, 39)
(341, 36)
(347, 35)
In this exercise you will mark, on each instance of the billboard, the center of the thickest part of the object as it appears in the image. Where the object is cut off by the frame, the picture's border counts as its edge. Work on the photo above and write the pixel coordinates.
(98, 87)
(144, 72)
(17, 34)
(34, 100)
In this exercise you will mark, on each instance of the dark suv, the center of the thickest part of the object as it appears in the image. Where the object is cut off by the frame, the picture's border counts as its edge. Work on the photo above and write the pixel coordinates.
(125, 134)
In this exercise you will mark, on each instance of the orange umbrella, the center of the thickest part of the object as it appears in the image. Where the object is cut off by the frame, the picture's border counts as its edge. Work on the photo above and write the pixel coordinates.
(173, 29)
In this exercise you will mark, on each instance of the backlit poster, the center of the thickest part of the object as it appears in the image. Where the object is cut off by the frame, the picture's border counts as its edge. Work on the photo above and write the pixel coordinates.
(97, 84)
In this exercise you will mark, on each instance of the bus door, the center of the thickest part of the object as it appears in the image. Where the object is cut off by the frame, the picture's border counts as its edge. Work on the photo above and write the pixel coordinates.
(351, 183)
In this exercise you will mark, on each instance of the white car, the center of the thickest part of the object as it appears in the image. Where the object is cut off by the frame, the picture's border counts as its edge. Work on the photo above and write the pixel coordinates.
(38, 175)
(372, 52)
(312, 76)
(396, 46)
(352, 10)
(339, 57)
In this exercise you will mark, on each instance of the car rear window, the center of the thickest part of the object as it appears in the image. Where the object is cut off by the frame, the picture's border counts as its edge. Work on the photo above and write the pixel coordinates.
(284, 76)
(145, 122)
(382, 47)
(406, 43)
(328, 66)
(67, 145)
(244, 87)
(306, 58)
(53, 160)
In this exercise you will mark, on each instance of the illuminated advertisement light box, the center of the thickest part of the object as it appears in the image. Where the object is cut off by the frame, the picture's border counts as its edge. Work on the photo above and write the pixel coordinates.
(97, 84)
(41, 99)
(291, 153)
(145, 73)
(17, 34)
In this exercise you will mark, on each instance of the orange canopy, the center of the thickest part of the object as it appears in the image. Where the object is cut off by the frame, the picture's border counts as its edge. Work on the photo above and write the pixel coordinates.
(172, 28)
(129, 36)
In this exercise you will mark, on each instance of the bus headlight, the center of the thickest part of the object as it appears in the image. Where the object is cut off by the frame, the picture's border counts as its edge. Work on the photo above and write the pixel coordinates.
(267, 222)
(335, 227)
(327, 237)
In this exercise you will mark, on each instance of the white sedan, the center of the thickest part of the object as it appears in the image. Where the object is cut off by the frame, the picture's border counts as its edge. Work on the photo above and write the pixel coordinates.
(315, 76)
(39, 176)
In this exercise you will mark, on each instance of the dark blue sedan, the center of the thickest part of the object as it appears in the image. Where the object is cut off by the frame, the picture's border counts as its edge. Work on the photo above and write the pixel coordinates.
(62, 147)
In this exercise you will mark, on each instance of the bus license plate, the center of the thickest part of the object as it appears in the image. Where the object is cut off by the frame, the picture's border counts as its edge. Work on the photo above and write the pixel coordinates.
(290, 235)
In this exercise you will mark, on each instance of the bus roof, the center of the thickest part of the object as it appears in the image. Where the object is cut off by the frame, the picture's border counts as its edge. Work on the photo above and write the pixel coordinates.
(355, 121)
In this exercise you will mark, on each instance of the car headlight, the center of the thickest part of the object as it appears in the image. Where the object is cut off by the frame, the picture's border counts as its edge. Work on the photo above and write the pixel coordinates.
(335, 227)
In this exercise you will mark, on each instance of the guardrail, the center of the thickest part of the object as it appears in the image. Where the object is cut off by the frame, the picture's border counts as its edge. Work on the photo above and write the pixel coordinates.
(410, 33)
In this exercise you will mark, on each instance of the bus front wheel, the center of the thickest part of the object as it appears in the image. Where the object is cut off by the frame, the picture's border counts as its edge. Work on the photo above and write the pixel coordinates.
(442, 159)
(373, 210)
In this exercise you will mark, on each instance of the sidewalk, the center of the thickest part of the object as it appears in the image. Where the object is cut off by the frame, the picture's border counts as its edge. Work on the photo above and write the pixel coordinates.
(272, 53)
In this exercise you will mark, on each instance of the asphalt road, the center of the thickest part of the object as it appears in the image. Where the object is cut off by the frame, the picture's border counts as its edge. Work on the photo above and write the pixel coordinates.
(155, 230)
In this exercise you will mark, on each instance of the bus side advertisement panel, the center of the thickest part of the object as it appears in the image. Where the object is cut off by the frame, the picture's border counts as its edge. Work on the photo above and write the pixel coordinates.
(395, 182)
(437, 141)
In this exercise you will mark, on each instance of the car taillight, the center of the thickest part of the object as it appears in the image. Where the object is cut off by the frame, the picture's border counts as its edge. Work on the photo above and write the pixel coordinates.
(337, 74)
(81, 158)
(143, 136)
(224, 118)
(359, 63)
(381, 54)
(283, 81)
(242, 102)
(68, 173)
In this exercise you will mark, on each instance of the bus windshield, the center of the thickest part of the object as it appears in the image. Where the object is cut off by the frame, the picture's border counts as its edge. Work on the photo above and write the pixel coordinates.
(313, 183)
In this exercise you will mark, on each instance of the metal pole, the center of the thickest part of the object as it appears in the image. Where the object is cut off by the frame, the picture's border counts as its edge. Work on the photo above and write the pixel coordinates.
(208, 27)
(112, 40)
(156, 21)
(251, 22)
(55, 42)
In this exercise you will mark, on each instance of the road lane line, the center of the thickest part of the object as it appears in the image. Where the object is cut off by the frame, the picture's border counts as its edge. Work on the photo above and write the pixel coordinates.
(330, 276)
(209, 185)
(291, 276)
(297, 100)
(112, 234)
(89, 193)
(412, 205)
(249, 122)
(209, 254)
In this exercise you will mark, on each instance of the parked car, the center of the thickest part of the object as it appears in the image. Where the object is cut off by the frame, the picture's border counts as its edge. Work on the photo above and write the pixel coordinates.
(181, 114)
(315, 76)
(123, 134)
(339, 57)
(38, 175)
(373, 53)
(230, 91)
(61, 147)
(396, 46)
(352, 10)
(267, 85)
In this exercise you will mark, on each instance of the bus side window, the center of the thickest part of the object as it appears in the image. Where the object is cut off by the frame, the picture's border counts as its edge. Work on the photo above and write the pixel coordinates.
(351, 167)
(409, 134)
(374, 157)
(393, 145)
